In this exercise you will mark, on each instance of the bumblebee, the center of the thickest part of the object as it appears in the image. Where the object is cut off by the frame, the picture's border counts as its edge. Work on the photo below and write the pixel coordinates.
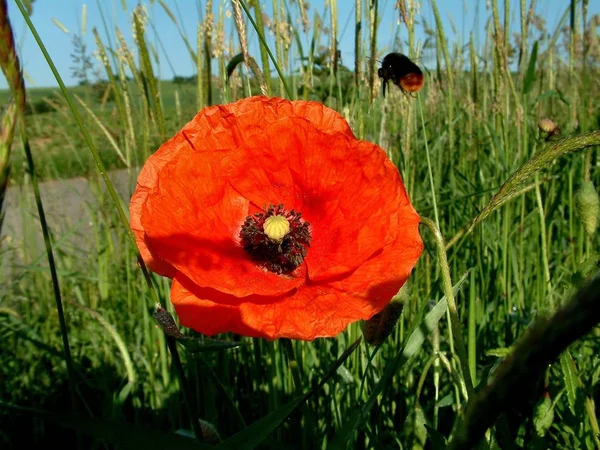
(401, 71)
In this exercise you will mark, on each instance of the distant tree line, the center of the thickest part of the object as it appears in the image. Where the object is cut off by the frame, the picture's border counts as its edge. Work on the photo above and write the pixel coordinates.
(177, 79)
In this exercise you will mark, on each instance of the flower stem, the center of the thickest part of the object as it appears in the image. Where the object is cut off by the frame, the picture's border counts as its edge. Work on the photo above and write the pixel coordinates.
(448, 292)
(373, 47)
(51, 262)
(429, 171)
(185, 389)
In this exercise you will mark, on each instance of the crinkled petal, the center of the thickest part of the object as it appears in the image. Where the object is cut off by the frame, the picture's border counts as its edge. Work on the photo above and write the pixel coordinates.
(256, 113)
(313, 310)
(347, 189)
(219, 128)
(146, 181)
(301, 315)
(235, 124)
(381, 277)
(194, 225)
(325, 119)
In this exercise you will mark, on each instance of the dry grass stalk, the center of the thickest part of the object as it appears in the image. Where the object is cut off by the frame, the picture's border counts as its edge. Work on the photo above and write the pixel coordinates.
(9, 61)
(248, 60)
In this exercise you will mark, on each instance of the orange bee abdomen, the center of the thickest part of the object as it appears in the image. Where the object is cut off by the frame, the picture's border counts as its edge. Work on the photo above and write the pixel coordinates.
(413, 82)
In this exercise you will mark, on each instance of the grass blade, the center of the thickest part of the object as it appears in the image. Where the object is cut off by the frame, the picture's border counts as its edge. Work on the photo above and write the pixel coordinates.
(413, 344)
(530, 75)
(517, 377)
(512, 187)
(268, 50)
(256, 433)
(12, 70)
(117, 203)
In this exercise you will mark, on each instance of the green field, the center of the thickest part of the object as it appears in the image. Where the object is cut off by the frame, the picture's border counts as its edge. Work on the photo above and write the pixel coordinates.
(58, 145)
(468, 145)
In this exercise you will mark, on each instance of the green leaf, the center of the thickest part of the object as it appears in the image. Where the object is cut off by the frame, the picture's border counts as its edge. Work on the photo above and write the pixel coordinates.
(499, 352)
(445, 401)
(256, 433)
(419, 428)
(551, 93)
(543, 416)
(530, 75)
(416, 339)
(570, 378)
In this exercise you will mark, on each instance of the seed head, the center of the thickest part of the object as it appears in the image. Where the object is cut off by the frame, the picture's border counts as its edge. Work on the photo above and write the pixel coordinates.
(587, 204)
(548, 126)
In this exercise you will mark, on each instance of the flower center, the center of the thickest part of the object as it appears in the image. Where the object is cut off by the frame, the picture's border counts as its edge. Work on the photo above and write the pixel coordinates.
(276, 238)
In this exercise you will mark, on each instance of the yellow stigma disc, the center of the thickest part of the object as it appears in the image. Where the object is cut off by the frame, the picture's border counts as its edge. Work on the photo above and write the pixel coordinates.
(276, 227)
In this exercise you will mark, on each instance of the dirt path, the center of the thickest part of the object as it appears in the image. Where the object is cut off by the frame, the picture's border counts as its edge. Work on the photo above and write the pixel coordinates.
(72, 207)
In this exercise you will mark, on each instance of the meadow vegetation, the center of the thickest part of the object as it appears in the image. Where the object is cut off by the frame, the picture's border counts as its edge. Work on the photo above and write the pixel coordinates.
(475, 123)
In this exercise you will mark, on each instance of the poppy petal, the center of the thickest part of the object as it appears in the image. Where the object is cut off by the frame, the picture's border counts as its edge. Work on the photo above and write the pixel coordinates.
(146, 181)
(254, 114)
(299, 316)
(347, 189)
(220, 127)
(381, 277)
(200, 235)
(315, 310)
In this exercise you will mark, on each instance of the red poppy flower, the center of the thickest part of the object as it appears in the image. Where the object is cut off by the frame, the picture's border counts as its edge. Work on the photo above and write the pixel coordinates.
(274, 221)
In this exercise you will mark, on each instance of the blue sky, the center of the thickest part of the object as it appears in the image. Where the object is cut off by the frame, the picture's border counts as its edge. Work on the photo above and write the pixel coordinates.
(460, 18)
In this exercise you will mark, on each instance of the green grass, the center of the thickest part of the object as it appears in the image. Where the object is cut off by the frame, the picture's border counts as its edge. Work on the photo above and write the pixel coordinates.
(57, 143)
(526, 257)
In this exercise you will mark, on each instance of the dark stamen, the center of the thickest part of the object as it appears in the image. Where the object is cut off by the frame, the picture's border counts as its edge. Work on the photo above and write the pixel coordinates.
(279, 256)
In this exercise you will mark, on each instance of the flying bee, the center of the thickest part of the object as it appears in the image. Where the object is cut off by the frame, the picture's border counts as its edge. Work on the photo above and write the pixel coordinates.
(401, 71)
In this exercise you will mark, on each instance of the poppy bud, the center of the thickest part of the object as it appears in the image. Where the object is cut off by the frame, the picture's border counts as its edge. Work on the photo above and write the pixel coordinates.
(587, 205)
(380, 326)
(166, 322)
